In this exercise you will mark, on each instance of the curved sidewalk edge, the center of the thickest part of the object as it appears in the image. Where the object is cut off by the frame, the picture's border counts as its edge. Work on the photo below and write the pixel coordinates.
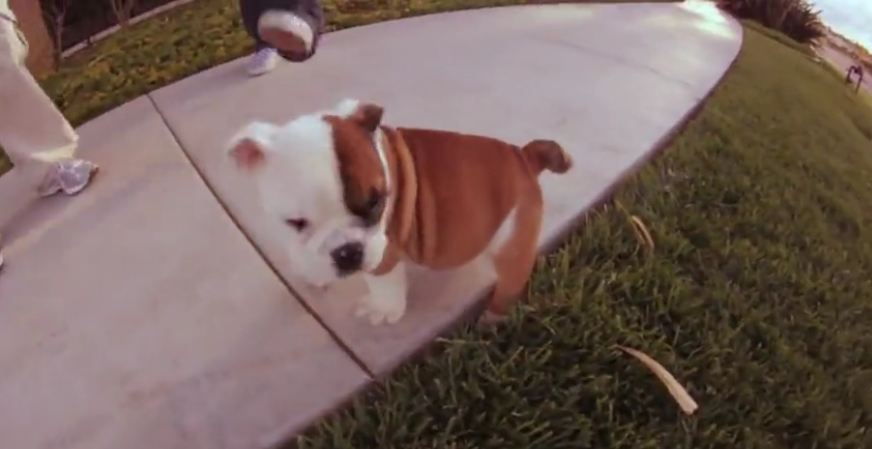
(607, 81)
(144, 313)
(714, 16)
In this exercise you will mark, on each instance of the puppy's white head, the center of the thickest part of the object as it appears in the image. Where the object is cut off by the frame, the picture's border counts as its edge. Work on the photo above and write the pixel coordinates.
(323, 179)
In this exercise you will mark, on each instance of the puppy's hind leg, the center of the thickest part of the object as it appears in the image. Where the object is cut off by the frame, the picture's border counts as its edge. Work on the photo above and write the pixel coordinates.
(386, 302)
(515, 258)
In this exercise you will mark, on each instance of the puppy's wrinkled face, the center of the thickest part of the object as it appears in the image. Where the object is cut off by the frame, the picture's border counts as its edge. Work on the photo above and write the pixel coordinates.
(323, 181)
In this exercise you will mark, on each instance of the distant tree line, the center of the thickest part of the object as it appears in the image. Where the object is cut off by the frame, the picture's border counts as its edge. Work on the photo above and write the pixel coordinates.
(798, 19)
(73, 21)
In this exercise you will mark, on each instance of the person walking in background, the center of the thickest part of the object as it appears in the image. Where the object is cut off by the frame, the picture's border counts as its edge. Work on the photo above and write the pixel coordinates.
(289, 29)
(855, 69)
(849, 77)
(33, 132)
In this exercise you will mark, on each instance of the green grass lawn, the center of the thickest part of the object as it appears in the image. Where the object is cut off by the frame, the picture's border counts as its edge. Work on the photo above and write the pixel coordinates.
(758, 296)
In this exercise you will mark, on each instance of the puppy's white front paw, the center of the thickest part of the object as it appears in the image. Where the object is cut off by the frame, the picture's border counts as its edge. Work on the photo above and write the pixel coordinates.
(381, 311)
(386, 301)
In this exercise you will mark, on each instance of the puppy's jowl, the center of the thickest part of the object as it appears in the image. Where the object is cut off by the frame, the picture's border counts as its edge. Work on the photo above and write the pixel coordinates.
(356, 196)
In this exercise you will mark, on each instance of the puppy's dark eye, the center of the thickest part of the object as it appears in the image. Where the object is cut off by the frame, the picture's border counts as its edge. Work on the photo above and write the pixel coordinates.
(374, 206)
(374, 202)
(370, 210)
(300, 224)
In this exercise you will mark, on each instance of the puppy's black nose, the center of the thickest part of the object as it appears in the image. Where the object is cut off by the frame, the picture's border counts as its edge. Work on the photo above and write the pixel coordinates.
(348, 258)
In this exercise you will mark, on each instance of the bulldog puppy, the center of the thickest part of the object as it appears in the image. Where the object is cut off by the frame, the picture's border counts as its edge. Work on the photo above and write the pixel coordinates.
(356, 196)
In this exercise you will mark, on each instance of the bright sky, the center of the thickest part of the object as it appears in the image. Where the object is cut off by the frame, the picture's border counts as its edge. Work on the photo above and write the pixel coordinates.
(852, 18)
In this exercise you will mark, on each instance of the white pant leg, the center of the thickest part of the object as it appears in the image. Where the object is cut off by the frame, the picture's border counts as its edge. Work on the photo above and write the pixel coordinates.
(32, 130)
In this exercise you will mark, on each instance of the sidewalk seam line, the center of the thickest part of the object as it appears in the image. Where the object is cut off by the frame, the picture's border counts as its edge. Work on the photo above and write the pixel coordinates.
(257, 249)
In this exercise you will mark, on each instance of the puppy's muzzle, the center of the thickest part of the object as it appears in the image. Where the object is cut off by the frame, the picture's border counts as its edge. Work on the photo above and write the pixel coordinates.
(348, 258)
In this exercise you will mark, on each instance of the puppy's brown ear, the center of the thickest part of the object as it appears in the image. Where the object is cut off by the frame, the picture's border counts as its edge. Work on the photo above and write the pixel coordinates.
(248, 147)
(368, 115)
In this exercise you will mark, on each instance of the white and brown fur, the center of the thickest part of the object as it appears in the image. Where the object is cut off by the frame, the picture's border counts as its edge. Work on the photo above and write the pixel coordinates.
(434, 198)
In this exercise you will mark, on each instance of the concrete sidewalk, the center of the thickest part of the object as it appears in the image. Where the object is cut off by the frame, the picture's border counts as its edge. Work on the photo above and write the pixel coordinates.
(147, 313)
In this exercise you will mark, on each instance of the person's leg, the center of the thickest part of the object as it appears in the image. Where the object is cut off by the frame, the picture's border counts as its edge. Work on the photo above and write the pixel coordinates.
(36, 136)
(265, 56)
(33, 132)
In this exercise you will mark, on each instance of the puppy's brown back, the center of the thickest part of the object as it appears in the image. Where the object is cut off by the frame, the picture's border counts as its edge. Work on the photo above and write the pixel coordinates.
(466, 187)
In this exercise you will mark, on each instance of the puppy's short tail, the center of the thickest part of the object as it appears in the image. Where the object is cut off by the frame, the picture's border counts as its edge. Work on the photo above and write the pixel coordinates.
(546, 155)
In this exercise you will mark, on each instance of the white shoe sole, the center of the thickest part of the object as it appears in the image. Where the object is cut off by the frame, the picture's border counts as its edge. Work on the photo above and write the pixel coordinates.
(286, 32)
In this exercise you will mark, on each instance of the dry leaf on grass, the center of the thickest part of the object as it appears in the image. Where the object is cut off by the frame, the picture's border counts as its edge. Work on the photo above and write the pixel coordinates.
(639, 229)
(642, 232)
(681, 396)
